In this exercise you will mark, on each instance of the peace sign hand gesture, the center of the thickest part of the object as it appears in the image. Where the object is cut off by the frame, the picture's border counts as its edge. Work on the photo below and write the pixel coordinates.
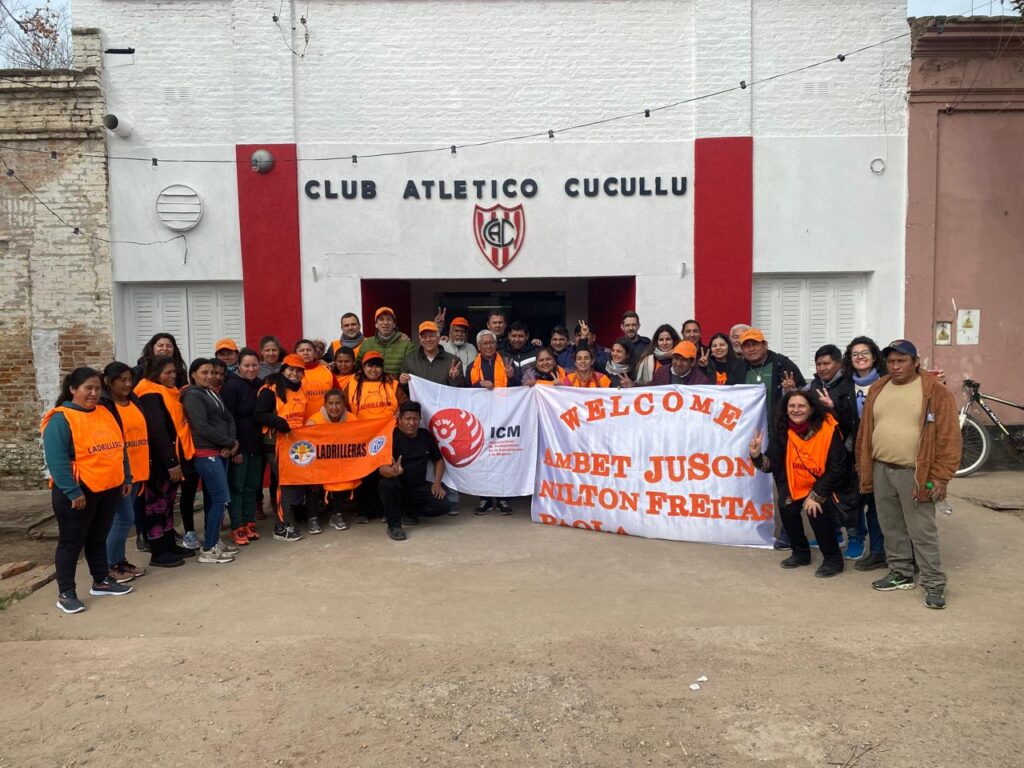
(825, 398)
(788, 381)
(756, 444)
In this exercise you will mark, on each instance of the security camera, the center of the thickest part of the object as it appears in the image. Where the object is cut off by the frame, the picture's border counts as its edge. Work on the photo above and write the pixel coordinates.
(117, 125)
(261, 161)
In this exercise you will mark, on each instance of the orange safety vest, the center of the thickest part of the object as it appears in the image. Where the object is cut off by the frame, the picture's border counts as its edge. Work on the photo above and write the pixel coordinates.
(476, 371)
(98, 444)
(315, 384)
(559, 378)
(341, 382)
(376, 399)
(597, 380)
(345, 485)
(336, 345)
(806, 459)
(172, 402)
(136, 438)
(293, 410)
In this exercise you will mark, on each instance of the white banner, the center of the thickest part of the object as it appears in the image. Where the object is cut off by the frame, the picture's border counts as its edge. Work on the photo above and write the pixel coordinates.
(662, 462)
(488, 438)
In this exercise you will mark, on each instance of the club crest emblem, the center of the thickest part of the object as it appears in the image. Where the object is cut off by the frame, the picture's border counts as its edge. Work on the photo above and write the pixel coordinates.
(499, 233)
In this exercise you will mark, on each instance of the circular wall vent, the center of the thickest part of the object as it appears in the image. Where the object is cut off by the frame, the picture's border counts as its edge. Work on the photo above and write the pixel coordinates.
(179, 207)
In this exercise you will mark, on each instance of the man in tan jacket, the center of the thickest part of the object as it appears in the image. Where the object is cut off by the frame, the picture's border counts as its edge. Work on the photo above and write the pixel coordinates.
(908, 448)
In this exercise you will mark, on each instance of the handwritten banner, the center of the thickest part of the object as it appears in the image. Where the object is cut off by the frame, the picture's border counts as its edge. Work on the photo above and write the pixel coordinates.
(661, 462)
(333, 453)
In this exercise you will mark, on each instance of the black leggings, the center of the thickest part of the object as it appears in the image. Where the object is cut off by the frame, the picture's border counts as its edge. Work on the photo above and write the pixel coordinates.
(823, 524)
(79, 529)
(189, 487)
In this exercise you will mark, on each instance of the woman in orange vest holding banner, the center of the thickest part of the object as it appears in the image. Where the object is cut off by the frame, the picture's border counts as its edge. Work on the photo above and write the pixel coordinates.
(585, 375)
(807, 457)
(170, 446)
(85, 454)
(281, 407)
(372, 394)
(338, 496)
(124, 407)
(344, 366)
(318, 377)
(545, 370)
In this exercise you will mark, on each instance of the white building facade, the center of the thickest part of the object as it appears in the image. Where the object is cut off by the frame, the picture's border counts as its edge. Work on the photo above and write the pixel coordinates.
(782, 202)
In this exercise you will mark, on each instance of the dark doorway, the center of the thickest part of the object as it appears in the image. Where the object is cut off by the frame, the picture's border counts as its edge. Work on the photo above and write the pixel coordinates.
(540, 310)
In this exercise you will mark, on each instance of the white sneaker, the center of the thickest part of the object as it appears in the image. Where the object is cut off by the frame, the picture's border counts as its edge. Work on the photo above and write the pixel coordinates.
(225, 548)
(214, 556)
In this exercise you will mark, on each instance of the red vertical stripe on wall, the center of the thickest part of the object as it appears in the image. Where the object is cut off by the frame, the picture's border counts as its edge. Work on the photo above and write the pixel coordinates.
(396, 294)
(268, 218)
(607, 299)
(723, 232)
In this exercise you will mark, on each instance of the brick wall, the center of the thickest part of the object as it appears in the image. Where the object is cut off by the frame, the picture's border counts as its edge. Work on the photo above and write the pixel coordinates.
(55, 300)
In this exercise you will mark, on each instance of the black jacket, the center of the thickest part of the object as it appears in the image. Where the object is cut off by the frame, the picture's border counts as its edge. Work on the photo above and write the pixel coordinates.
(844, 398)
(162, 435)
(212, 425)
(780, 364)
(239, 395)
(265, 411)
(837, 466)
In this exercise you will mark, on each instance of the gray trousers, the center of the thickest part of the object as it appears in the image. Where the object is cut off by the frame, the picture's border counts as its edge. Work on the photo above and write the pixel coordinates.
(908, 526)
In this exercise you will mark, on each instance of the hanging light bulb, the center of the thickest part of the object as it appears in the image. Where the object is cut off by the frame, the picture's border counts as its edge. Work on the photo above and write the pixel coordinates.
(355, 160)
(551, 135)
(453, 150)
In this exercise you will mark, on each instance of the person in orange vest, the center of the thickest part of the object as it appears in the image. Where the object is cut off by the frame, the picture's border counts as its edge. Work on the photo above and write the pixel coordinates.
(810, 463)
(351, 337)
(124, 407)
(317, 379)
(339, 496)
(585, 375)
(170, 447)
(87, 459)
(492, 369)
(545, 371)
(344, 366)
(280, 408)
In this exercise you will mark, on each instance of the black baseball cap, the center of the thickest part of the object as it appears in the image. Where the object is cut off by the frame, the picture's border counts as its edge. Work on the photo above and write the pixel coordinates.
(902, 346)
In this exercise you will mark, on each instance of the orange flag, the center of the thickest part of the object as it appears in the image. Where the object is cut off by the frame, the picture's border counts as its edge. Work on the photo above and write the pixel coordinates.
(332, 453)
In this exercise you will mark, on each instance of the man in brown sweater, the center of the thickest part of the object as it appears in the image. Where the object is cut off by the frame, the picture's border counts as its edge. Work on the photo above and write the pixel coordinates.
(908, 448)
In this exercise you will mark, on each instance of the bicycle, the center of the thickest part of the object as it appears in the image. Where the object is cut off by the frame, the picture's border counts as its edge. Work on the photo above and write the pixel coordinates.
(975, 438)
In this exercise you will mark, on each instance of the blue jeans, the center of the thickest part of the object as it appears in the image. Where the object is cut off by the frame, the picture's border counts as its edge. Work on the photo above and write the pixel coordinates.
(858, 531)
(124, 521)
(874, 529)
(213, 470)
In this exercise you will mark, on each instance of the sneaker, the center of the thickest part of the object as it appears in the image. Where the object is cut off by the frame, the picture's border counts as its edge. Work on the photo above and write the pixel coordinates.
(362, 518)
(338, 522)
(121, 576)
(109, 587)
(240, 536)
(782, 542)
(504, 507)
(214, 555)
(69, 602)
(251, 533)
(794, 562)
(829, 568)
(854, 549)
(483, 507)
(410, 520)
(286, 533)
(141, 543)
(225, 547)
(313, 526)
(135, 570)
(934, 597)
(871, 562)
(453, 510)
(893, 581)
(397, 534)
(190, 540)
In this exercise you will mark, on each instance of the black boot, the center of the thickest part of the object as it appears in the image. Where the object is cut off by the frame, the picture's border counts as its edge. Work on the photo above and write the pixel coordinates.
(159, 557)
(172, 547)
(141, 545)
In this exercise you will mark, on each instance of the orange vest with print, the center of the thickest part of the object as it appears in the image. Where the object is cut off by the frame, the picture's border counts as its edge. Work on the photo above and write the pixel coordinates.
(806, 459)
(98, 444)
(476, 371)
(315, 384)
(341, 381)
(172, 402)
(597, 380)
(293, 410)
(376, 399)
(136, 438)
(345, 485)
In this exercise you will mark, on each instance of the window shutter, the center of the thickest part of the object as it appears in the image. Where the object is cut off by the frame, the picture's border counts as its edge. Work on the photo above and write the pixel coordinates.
(820, 318)
(231, 313)
(203, 322)
(792, 314)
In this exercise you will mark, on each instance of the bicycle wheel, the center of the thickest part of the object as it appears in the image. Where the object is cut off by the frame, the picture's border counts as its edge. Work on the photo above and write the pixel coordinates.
(975, 449)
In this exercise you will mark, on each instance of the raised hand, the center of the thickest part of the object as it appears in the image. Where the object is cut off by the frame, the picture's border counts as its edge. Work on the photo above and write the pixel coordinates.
(702, 361)
(442, 312)
(453, 372)
(756, 444)
(825, 398)
(788, 381)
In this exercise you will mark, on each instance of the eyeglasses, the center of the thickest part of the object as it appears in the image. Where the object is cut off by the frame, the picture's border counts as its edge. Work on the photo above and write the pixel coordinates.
(861, 355)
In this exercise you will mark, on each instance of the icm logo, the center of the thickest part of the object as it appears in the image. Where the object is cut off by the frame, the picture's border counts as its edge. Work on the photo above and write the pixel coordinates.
(302, 453)
(376, 444)
(459, 435)
(501, 432)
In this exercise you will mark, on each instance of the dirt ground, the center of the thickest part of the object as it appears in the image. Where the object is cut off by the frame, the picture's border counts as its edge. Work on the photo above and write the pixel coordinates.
(499, 642)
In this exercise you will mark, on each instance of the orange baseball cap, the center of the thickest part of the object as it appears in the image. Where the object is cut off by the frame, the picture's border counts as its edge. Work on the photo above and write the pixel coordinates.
(751, 334)
(225, 344)
(428, 325)
(293, 361)
(373, 355)
(384, 311)
(685, 349)
(460, 321)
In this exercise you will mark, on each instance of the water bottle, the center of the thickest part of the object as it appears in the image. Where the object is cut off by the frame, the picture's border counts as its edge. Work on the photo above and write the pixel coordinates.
(941, 506)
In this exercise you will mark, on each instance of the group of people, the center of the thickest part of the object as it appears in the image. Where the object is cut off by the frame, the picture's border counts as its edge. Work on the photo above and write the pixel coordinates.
(864, 449)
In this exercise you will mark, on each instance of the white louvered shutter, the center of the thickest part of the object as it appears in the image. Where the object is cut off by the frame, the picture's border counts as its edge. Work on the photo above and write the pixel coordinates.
(232, 313)
(203, 322)
(789, 332)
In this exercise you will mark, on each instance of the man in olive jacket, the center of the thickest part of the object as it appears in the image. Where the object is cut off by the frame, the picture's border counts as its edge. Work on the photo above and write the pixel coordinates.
(430, 362)
(908, 448)
(392, 344)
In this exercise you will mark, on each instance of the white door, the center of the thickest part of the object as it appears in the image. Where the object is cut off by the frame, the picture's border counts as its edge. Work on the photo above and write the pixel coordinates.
(801, 313)
(196, 315)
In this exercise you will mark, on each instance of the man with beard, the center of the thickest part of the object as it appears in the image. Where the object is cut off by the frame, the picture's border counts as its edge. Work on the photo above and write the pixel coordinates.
(458, 343)
(351, 337)
(631, 330)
